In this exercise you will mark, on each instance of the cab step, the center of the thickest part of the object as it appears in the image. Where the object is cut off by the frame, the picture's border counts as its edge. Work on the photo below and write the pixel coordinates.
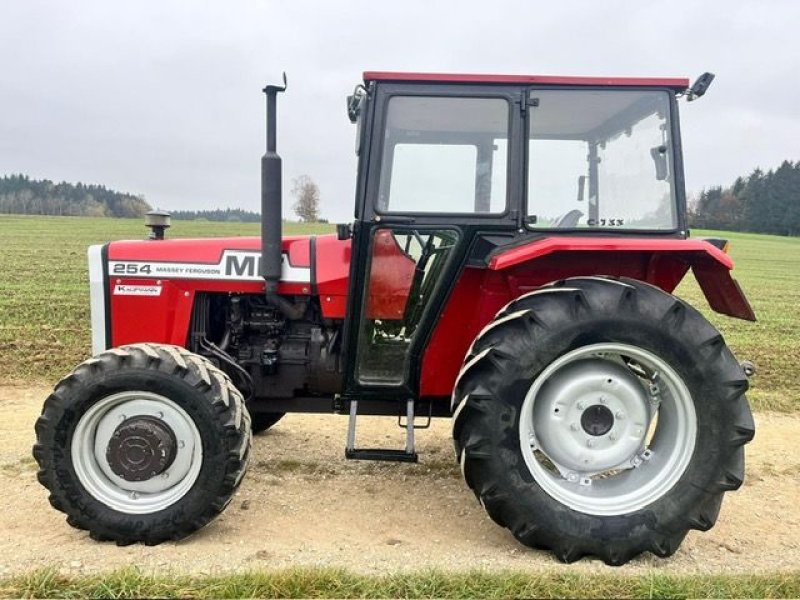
(385, 454)
(408, 454)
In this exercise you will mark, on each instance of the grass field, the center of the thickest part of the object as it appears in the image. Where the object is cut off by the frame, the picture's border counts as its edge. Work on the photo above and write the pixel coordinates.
(768, 269)
(44, 308)
(332, 583)
(44, 279)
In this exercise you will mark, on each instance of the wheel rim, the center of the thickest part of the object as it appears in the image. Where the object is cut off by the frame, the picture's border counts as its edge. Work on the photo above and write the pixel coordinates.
(136, 452)
(607, 429)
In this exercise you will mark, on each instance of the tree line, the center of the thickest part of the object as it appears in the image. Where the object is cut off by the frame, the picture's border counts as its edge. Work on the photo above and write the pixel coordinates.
(19, 194)
(759, 203)
(306, 207)
(237, 215)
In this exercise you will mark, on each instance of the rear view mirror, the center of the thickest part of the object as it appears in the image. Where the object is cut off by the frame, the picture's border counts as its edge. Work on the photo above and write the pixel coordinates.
(700, 86)
(581, 187)
(354, 103)
(659, 155)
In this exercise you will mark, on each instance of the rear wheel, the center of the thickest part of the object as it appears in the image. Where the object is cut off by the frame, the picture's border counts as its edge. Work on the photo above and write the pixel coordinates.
(142, 443)
(601, 417)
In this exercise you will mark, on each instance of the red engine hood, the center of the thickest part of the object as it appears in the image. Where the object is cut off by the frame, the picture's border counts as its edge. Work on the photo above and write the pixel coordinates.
(311, 265)
(205, 250)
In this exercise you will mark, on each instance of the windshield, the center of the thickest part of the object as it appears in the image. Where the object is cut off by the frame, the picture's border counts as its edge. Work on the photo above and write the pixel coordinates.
(600, 159)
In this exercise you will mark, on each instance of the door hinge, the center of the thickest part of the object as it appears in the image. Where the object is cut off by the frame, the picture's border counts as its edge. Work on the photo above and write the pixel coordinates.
(524, 104)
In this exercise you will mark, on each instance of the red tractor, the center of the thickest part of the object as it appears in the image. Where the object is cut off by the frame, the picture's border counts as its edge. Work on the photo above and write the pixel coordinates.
(511, 265)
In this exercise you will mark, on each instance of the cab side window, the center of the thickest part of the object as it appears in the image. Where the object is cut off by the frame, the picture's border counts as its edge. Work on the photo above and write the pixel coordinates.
(444, 155)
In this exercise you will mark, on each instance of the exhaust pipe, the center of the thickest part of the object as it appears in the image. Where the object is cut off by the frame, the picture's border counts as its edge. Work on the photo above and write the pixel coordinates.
(271, 212)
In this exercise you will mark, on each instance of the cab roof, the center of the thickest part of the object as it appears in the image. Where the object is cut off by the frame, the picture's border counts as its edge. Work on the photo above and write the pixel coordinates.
(676, 83)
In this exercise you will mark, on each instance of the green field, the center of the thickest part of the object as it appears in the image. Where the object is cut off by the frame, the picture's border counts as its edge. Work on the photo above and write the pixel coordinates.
(334, 583)
(44, 308)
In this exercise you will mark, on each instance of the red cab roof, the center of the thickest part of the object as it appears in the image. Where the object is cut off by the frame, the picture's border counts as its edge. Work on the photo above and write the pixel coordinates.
(676, 83)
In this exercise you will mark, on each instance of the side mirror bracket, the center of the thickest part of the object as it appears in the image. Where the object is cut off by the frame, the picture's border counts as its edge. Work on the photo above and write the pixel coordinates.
(344, 231)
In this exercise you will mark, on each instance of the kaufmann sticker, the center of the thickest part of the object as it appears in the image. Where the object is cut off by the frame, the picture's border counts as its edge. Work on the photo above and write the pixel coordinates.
(137, 290)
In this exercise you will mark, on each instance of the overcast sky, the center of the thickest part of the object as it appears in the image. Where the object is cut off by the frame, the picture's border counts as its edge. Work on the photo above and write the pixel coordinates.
(163, 98)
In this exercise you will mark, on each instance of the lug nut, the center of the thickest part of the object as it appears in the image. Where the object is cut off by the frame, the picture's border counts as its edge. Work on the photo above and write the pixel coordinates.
(620, 415)
(574, 427)
(580, 406)
(589, 443)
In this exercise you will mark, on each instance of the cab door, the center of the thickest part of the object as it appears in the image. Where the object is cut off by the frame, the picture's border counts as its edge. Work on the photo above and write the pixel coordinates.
(440, 164)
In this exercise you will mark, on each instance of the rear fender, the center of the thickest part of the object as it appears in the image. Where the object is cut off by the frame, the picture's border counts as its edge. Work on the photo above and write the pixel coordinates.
(662, 262)
(723, 292)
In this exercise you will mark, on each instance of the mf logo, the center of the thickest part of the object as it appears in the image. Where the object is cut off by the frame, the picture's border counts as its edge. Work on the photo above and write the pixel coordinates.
(242, 264)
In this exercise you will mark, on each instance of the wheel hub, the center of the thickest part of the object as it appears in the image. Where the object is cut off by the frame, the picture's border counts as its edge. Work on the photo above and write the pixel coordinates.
(597, 420)
(591, 416)
(569, 448)
(141, 448)
(137, 452)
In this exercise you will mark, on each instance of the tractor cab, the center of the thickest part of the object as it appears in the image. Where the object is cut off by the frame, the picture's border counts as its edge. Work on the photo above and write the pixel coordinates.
(453, 169)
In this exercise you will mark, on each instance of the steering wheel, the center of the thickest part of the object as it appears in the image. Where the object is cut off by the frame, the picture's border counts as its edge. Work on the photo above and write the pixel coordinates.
(570, 219)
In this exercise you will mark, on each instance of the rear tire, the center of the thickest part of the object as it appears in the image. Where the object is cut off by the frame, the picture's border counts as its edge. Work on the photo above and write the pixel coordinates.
(142, 443)
(518, 406)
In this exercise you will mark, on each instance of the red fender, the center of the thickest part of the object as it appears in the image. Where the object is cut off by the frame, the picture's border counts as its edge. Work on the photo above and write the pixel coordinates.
(669, 259)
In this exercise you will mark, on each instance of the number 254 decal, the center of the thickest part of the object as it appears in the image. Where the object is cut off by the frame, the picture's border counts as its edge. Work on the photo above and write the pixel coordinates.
(131, 269)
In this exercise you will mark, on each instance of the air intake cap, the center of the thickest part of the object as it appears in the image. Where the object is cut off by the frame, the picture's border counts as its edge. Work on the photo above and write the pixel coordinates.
(158, 221)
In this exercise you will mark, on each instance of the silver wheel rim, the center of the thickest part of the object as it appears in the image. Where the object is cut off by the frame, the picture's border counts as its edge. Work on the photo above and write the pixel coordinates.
(603, 465)
(93, 434)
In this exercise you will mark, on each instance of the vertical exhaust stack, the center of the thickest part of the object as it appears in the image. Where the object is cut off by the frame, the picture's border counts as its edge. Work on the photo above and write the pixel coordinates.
(271, 191)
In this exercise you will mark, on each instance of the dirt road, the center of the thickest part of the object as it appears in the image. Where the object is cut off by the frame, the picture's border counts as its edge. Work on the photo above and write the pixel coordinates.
(302, 504)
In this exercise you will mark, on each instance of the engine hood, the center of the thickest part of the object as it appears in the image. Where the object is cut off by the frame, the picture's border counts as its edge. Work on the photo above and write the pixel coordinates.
(311, 265)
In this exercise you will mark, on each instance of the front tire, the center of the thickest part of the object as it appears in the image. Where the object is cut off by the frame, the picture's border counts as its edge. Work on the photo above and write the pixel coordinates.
(601, 417)
(142, 443)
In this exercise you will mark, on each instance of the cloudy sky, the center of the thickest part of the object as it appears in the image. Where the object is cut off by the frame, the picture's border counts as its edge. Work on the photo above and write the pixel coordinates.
(163, 97)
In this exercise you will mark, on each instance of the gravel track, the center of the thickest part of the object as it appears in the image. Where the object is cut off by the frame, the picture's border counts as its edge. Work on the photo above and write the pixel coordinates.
(302, 504)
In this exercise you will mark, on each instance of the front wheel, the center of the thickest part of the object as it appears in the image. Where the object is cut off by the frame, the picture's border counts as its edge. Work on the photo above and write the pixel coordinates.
(142, 443)
(603, 417)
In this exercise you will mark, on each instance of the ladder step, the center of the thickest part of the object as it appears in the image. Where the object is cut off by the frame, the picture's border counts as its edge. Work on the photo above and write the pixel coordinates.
(408, 454)
(381, 454)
